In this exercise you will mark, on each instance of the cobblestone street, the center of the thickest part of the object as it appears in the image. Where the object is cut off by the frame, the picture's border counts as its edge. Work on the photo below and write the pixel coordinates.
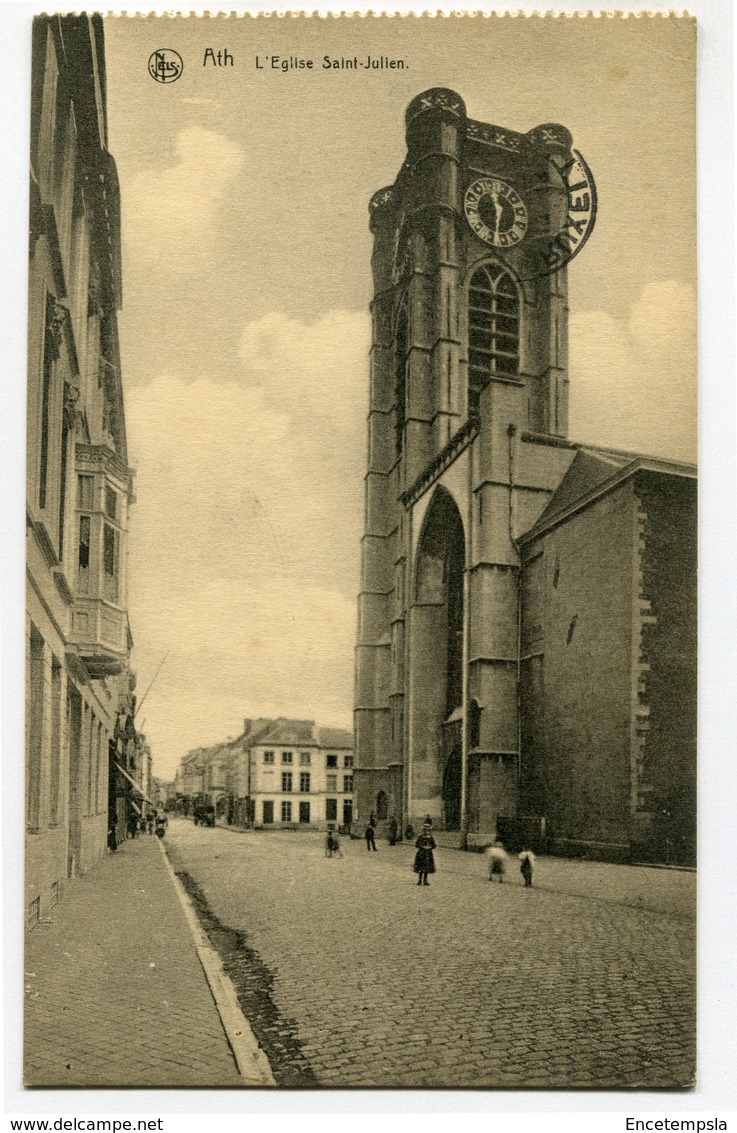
(352, 975)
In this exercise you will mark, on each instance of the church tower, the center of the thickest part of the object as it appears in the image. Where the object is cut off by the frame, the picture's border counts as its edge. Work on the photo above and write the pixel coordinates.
(466, 442)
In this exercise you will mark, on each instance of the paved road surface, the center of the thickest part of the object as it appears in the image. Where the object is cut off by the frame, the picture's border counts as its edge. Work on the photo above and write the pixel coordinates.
(115, 994)
(352, 975)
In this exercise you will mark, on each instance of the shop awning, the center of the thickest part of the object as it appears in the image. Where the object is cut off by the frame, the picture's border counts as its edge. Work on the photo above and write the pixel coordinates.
(123, 771)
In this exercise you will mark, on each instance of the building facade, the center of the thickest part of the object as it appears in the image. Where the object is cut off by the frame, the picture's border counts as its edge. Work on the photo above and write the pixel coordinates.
(206, 777)
(278, 774)
(80, 703)
(469, 463)
(300, 775)
(608, 660)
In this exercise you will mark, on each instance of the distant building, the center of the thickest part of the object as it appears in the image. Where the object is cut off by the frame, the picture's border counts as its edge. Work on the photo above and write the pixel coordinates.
(205, 778)
(189, 782)
(526, 653)
(80, 736)
(278, 773)
(300, 775)
(163, 794)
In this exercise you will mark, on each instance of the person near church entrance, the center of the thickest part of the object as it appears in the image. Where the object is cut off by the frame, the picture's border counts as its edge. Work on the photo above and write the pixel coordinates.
(393, 831)
(370, 835)
(424, 859)
(527, 858)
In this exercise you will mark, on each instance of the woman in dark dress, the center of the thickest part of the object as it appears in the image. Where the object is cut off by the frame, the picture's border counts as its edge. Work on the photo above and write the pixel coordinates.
(424, 860)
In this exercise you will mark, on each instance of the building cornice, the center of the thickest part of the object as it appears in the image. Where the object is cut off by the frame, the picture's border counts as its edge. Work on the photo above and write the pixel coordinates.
(101, 456)
(457, 444)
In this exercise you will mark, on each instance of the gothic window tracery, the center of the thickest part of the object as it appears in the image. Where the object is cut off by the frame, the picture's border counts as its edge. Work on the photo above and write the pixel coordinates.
(493, 329)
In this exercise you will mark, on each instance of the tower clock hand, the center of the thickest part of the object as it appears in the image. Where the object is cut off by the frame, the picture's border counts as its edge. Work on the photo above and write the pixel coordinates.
(498, 208)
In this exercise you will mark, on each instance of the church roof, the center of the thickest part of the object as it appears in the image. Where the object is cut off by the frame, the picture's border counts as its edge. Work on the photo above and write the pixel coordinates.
(586, 471)
(592, 473)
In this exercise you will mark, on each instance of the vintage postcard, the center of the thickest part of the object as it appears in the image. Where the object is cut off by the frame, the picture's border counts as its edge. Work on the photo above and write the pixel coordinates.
(361, 553)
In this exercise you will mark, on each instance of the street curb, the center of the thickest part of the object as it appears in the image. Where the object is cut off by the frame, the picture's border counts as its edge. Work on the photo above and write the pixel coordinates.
(253, 1065)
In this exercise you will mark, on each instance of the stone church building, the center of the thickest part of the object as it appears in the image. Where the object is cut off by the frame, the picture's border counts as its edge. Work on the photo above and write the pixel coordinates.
(527, 616)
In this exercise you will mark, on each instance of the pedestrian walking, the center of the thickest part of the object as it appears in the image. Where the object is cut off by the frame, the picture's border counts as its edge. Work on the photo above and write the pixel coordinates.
(527, 858)
(161, 824)
(133, 830)
(332, 844)
(370, 837)
(424, 860)
(150, 822)
(393, 831)
(497, 861)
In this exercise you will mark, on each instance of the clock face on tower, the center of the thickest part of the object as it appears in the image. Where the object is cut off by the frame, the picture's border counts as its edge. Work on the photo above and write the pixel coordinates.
(496, 213)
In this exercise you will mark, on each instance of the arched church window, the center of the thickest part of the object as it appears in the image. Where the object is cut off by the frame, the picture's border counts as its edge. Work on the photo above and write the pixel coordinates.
(493, 329)
(382, 806)
(401, 349)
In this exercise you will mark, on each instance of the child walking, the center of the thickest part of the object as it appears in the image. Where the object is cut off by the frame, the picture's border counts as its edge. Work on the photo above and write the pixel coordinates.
(527, 858)
(497, 861)
(332, 843)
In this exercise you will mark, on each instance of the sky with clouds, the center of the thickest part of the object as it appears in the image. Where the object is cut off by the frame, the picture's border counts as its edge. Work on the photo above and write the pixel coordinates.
(245, 332)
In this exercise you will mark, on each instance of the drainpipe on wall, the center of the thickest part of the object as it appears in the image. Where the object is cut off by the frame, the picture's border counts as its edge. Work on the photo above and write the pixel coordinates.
(407, 700)
(512, 433)
(465, 697)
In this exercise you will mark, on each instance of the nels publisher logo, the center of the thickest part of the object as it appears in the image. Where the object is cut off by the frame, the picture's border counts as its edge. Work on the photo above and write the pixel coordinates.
(165, 65)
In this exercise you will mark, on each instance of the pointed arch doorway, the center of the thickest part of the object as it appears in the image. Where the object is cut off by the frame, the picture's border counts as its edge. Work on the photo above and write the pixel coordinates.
(436, 664)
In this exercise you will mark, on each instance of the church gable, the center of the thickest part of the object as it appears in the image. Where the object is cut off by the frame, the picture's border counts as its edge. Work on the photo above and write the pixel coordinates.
(586, 472)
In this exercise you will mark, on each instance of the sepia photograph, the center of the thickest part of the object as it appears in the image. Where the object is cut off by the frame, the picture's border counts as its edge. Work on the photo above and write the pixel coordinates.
(361, 553)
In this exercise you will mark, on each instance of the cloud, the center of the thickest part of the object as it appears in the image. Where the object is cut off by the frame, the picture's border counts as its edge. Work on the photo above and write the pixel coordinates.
(633, 380)
(245, 537)
(278, 648)
(319, 369)
(171, 215)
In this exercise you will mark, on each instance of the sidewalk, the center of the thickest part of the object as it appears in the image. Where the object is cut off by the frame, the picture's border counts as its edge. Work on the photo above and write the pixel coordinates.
(115, 994)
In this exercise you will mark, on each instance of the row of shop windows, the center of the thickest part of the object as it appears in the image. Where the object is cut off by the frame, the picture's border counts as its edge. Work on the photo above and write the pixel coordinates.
(305, 812)
(305, 758)
(305, 780)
